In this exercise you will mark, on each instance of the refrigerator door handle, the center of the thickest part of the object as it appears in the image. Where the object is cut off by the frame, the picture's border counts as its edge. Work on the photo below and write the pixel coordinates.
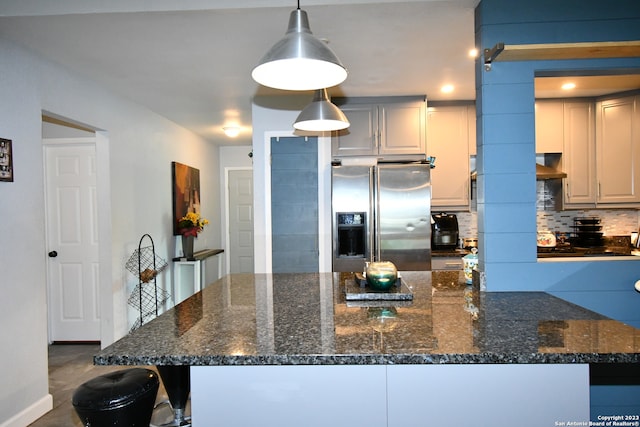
(371, 233)
(376, 219)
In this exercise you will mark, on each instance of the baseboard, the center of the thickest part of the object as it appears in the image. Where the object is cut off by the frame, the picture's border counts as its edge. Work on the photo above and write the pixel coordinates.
(76, 342)
(31, 413)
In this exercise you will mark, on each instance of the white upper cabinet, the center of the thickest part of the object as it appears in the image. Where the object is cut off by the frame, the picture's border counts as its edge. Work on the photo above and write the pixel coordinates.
(549, 125)
(618, 151)
(579, 155)
(472, 120)
(360, 138)
(602, 153)
(381, 126)
(448, 140)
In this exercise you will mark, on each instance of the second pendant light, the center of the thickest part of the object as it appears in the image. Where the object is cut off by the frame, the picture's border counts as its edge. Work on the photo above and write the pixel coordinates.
(321, 115)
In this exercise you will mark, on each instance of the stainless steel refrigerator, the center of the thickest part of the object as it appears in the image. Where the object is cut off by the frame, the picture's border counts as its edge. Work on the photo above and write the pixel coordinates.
(381, 212)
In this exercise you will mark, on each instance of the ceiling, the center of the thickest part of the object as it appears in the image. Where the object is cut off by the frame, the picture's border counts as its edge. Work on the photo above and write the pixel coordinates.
(585, 86)
(193, 65)
(192, 62)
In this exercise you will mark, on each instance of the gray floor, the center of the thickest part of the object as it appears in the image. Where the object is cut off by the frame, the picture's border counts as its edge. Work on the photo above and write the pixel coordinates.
(70, 366)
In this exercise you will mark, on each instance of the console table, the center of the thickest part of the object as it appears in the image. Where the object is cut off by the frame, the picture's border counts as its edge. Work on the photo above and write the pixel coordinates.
(189, 274)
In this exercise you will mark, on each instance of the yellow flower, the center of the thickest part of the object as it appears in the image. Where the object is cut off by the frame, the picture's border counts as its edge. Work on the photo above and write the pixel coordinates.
(192, 223)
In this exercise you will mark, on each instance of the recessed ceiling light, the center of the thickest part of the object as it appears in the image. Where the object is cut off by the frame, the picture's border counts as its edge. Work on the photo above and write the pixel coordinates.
(568, 86)
(446, 88)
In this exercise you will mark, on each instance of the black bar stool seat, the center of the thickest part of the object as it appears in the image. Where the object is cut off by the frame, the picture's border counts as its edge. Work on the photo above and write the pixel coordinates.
(122, 398)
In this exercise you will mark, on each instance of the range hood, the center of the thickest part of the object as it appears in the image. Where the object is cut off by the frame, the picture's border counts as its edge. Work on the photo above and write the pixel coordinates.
(542, 172)
(545, 172)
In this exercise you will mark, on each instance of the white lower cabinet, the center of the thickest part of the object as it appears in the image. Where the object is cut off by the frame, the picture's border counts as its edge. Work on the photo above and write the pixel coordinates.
(289, 396)
(389, 395)
(487, 395)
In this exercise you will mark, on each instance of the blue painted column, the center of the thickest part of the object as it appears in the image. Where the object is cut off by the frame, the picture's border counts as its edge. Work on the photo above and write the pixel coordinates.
(505, 102)
(506, 168)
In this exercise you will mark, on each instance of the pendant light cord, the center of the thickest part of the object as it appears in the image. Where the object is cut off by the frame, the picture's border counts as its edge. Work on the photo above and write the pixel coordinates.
(298, 4)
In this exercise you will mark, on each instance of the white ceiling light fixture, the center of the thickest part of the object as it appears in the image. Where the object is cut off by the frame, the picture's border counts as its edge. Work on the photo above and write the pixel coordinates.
(231, 131)
(448, 88)
(299, 61)
(321, 115)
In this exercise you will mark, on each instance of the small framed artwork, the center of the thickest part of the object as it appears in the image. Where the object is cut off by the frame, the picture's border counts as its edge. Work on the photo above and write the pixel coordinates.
(186, 192)
(6, 160)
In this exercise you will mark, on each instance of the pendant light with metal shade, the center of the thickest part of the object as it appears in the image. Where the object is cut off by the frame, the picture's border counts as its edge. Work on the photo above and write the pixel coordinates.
(321, 115)
(299, 61)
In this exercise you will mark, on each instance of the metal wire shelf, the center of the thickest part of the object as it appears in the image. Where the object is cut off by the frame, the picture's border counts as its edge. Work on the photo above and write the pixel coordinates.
(146, 296)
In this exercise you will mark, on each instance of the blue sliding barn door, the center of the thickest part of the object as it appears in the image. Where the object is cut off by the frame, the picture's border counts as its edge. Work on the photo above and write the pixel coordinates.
(294, 204)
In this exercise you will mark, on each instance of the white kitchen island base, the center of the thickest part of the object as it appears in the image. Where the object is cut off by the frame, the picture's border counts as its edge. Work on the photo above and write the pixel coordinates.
(523, 395)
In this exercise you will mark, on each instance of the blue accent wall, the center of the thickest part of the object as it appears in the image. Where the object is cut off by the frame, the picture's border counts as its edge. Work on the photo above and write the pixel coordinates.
(506, 148)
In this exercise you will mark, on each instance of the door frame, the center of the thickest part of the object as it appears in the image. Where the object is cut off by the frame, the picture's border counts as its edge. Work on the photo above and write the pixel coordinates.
(227, 236)
(103, 188)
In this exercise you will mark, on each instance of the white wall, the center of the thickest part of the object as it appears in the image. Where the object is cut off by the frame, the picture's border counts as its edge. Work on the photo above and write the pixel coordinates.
(140, 148)
(272, 117)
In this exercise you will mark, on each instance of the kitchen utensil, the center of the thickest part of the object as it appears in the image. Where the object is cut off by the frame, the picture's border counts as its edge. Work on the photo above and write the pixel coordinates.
(589, 228)
(470, 242)
(587, 232)
(588, 220)
(470, 262)
(546, 239)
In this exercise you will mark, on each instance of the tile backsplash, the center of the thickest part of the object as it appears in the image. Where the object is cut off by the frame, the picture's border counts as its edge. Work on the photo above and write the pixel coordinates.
(615, 222)
(467, 224)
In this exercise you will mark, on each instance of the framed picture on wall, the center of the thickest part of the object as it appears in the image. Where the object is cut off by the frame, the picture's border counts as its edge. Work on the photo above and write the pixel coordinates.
(186, 192)
(6, 160)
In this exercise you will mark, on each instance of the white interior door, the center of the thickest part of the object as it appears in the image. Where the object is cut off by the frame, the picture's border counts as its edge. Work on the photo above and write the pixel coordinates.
(72, 239)
(240, 217)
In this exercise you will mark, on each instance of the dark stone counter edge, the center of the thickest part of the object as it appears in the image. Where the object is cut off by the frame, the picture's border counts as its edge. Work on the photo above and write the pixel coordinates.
(393, 359)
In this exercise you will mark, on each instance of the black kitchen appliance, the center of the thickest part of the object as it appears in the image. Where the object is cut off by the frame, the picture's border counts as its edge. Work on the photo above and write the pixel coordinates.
(444, 231)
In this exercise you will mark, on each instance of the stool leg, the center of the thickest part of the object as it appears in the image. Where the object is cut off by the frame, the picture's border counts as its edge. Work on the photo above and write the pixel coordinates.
(177, 383)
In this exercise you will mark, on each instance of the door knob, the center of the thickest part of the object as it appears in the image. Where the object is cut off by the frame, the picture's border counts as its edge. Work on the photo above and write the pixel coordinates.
(53, 254)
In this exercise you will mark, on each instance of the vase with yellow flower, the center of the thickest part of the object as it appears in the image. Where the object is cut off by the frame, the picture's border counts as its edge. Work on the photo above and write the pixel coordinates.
(189, 226)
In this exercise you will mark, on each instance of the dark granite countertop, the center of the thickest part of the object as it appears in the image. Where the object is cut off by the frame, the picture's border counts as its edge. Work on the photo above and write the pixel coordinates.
(449, 252)
(303, 319)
